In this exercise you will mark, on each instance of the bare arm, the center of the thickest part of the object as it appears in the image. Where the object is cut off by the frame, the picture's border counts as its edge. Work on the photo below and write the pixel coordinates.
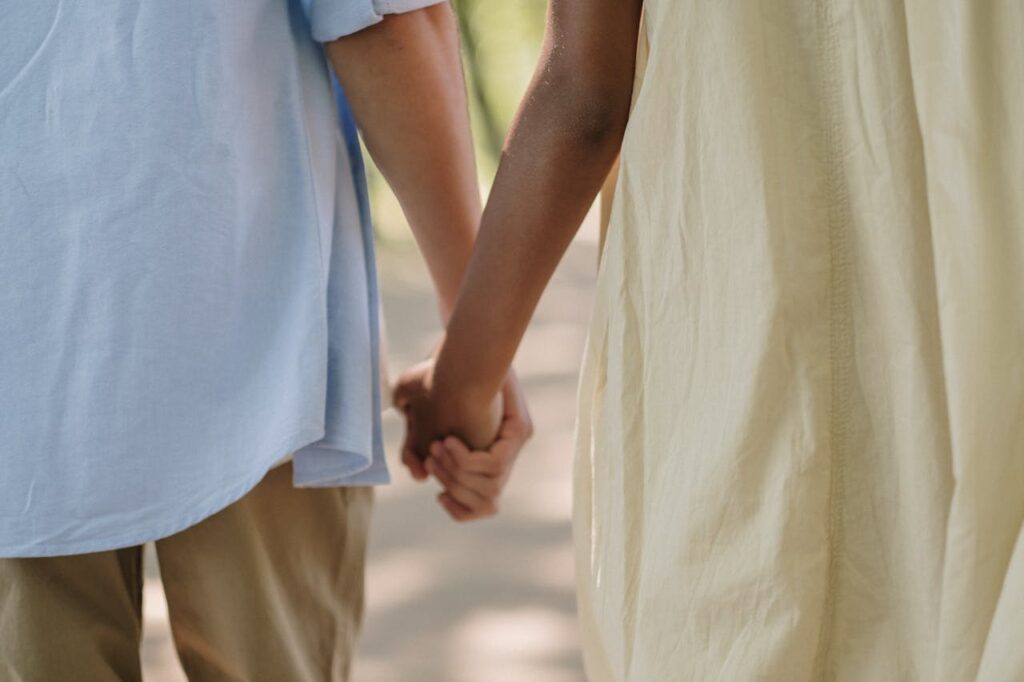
(563, 143)
(403, 79)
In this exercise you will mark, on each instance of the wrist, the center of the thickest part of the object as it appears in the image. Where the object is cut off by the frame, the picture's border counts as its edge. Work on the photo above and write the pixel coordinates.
(465, 408)
(459, 395)
(459, 387)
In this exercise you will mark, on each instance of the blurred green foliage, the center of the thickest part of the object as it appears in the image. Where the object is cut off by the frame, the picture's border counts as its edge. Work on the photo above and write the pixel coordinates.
(500, 40)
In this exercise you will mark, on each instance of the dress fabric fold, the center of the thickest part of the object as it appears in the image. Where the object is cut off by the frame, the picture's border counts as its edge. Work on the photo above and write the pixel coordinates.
(801, 443)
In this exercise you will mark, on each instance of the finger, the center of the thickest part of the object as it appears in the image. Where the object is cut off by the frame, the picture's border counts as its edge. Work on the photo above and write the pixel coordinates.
(475, 462)
(487, 487)
(454, 509)
(448, 481)
(459, 512)
(404, 393)
(467, 497)
(401, 396)
(414, 464)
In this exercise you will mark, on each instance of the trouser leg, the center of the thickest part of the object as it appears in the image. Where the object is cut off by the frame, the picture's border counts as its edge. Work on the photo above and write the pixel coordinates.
(270, 588)
(71, 618)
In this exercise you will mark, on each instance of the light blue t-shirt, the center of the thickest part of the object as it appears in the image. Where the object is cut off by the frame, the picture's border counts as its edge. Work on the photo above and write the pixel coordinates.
(187, 290)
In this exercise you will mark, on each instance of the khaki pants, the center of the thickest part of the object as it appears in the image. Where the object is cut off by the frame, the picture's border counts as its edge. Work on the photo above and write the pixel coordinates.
(270, 588)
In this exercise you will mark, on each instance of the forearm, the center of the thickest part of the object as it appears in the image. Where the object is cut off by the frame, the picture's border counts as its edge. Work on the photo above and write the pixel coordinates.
(403, 79)
(562, 146)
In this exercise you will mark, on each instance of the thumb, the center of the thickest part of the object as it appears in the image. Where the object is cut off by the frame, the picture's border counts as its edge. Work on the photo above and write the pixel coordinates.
(404, 392)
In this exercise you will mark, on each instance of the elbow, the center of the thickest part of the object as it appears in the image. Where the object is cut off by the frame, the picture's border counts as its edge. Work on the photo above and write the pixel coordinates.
(591, 113)
(597, 125)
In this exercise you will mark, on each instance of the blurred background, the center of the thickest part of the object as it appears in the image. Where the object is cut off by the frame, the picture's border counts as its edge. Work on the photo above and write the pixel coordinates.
(500, 44)
(491, 601)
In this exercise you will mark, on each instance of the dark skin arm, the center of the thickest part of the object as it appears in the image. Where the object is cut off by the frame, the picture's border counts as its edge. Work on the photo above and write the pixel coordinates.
(565, 139)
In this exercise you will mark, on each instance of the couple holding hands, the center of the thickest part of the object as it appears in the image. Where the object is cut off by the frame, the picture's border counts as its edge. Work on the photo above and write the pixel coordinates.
(800, 452)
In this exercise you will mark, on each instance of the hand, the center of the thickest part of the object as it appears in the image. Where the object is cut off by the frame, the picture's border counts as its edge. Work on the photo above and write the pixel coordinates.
(433, 414)
(474, 480)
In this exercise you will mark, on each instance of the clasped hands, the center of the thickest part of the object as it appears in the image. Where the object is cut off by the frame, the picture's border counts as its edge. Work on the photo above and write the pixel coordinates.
(468, 444)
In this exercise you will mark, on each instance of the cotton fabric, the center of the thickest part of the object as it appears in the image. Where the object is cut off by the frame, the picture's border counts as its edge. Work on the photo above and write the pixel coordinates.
(801, 449)
(187, 292)
(240, 607)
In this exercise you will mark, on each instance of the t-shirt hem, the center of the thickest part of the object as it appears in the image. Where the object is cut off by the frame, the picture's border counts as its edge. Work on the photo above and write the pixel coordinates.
(296, 441)
(325, 465)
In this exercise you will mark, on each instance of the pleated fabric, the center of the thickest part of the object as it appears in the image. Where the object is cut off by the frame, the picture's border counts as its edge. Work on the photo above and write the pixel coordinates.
(801, 434)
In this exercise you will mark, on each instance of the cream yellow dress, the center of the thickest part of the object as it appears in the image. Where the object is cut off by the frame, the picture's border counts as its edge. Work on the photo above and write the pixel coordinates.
(802, 411)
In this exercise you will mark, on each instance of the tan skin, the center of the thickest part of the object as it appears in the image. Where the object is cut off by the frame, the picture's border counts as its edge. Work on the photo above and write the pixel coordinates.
(403, 80)
(563, 142)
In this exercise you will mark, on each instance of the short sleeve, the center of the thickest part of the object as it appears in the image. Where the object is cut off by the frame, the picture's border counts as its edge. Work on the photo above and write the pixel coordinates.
(331, 19)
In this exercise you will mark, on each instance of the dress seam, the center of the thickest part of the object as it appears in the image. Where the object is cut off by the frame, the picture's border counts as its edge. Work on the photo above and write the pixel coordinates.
(840, 332)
